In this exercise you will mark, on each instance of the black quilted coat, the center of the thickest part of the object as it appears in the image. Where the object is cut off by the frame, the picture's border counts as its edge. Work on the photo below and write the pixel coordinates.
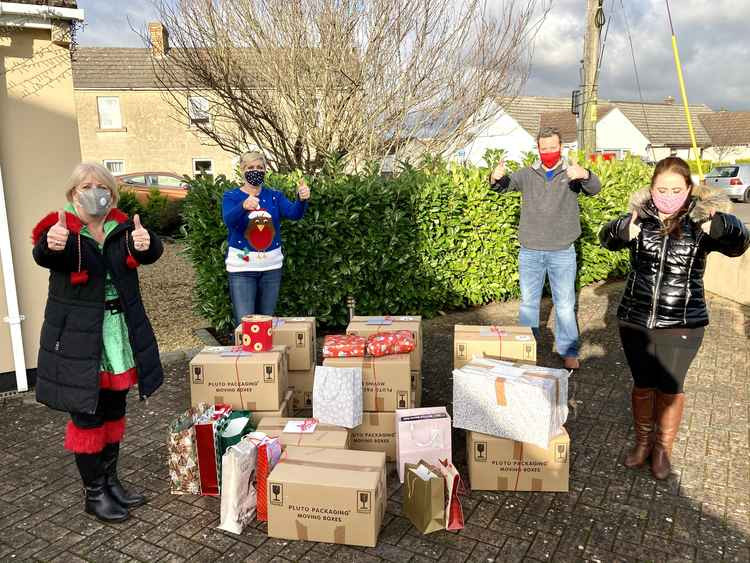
(665, 286)
(71, 343)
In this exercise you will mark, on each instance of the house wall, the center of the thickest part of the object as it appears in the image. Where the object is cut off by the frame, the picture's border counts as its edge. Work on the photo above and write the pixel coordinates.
(503, 133)
(725, 154)
(616, 132)
(155, 137)
(39, 147)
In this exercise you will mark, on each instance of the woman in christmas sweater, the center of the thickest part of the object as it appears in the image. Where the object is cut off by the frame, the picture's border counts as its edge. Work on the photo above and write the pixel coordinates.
(253, 214)
(96, 340)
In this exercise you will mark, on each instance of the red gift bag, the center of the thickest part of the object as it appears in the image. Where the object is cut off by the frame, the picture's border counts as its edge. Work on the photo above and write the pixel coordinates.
(454, 512)
(269, 453)
(206, 444)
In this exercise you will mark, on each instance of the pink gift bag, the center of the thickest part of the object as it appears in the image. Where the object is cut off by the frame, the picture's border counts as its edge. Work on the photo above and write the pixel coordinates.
(422, 434)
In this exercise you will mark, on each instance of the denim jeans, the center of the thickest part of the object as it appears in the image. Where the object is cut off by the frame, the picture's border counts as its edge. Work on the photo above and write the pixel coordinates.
(560, 266)
(254, 293)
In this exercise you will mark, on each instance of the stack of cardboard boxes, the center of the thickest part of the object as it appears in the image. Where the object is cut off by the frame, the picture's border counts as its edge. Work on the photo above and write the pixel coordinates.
(500, 464)
(257, 382)
(298, 334)
(388, 383)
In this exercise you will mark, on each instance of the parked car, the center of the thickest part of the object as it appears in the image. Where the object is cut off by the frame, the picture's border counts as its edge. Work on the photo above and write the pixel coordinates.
(734, 179)
(171, 185)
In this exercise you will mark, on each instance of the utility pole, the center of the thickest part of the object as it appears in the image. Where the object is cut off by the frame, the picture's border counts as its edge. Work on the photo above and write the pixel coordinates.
(589, 88)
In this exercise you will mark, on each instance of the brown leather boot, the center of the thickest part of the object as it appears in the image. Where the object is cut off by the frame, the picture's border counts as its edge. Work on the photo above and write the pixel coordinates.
(642, 400)
(668, 417)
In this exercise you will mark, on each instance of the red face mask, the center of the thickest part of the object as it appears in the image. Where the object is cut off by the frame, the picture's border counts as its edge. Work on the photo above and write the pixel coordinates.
(549, 159)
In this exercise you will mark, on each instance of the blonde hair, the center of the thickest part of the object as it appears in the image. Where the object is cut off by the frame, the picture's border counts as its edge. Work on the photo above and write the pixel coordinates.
(102, 175)
(252, 156)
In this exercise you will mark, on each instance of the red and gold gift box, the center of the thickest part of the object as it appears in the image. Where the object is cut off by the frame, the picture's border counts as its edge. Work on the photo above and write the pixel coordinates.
(390, 343)
(257, 333)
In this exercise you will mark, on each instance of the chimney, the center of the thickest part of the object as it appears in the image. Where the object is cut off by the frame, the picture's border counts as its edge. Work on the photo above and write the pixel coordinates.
(669, 100)
(159, 39)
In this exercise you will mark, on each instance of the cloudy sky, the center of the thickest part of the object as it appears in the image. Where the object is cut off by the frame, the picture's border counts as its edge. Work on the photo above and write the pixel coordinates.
(712, 35)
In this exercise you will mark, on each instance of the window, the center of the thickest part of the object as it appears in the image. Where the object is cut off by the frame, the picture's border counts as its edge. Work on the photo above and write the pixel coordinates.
(198, 110)
(135, 180)
(203, 167)
(171, 182)
(724, 172)
(152, 181)
(109, 112)
(115, 166)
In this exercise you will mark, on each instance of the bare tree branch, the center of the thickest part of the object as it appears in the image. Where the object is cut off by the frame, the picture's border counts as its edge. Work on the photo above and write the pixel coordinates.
(306, 78)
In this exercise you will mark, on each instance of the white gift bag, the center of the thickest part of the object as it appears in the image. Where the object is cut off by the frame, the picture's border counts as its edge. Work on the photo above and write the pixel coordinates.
(337, 396)
(238, 495)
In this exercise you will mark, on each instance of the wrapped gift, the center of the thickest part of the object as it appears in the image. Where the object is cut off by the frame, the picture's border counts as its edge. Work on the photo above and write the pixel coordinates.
(238, 495)
(344, 346)
(390, 343)
(521, 402)
(422, 434)
(184, 476)
(424, 497)
(257, 333)
(337, 396)
(366, 326)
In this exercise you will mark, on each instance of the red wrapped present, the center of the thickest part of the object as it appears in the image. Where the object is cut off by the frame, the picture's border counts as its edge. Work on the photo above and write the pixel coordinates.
(257, 333)
(389, 343)
(344, 346)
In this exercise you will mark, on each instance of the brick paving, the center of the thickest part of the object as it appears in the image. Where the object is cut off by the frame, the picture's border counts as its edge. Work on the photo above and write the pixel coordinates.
(610, 514)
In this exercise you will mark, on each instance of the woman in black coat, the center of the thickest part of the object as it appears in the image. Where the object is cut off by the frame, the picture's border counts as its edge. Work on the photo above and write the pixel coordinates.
(96, 340)
(672, 227)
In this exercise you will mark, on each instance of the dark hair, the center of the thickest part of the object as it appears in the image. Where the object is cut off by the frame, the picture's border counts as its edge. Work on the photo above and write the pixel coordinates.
(675, 165)
(545, 132)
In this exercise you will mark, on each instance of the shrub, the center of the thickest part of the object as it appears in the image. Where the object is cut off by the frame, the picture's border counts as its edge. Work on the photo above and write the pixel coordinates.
(129, 203)
(426, 239)
(162, 214)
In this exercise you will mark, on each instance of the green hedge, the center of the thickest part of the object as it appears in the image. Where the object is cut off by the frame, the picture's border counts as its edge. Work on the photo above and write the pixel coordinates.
(162, 215)
(427, 239)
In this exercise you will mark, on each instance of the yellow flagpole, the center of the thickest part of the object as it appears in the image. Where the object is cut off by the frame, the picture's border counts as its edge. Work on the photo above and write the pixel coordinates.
(683, 92)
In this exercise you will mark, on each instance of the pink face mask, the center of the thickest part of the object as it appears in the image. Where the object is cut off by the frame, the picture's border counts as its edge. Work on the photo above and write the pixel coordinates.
(669, 203)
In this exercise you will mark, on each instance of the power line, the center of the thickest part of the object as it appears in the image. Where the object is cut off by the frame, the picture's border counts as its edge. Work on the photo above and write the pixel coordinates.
(637, 79)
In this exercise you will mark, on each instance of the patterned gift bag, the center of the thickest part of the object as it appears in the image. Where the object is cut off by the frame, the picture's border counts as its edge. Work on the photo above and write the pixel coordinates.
(184, 476)
(337, 396)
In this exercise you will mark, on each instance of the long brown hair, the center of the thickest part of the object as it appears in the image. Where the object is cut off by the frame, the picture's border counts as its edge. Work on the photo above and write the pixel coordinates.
(678, 166)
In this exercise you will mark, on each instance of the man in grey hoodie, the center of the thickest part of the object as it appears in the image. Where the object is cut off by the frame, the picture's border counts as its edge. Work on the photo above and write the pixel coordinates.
(550, 224)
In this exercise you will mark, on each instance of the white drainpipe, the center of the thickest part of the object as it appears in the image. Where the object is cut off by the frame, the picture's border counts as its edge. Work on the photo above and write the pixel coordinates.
(14, 319)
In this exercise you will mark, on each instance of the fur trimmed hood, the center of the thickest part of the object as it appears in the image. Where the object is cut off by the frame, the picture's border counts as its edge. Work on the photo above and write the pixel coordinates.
(705, 200)
(72, 221)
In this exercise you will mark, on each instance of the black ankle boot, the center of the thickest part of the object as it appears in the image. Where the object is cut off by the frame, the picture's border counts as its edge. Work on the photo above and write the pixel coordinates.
(110, 454)
(98, 500)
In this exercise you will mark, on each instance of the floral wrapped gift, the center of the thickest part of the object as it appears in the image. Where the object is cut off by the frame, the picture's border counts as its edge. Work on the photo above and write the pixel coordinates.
(390, 343)
(344, 346)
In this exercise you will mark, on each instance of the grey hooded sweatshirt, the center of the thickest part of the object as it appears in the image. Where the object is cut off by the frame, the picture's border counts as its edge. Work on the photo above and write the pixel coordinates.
(550, 217)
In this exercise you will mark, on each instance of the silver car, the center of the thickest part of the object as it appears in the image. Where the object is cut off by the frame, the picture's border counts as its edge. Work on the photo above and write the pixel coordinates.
(734, 179)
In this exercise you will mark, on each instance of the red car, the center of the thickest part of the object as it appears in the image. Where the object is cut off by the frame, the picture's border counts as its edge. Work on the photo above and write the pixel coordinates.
(171, 185)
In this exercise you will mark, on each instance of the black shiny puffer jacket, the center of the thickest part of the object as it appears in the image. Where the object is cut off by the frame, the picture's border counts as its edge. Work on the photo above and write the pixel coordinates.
(665, 286)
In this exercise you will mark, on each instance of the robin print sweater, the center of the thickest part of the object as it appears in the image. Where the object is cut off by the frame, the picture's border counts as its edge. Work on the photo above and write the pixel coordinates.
(255, 236)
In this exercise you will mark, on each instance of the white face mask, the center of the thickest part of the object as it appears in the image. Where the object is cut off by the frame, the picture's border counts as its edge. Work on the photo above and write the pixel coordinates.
(95, 201)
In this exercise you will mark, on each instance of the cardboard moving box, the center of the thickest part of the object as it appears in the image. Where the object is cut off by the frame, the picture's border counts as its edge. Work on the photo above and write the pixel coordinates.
(327, 495)
(365, 326)
(285, 410)
(498, 464)
(301, 383)
(377, 433)
(386, 381)
(298, 333)
(222, 374)
(416, 388)
(324, 435)
(512, 343)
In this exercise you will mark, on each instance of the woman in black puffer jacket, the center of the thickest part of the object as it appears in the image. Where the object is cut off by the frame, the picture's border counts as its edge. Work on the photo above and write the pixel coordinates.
(96, 338)
(672, 227)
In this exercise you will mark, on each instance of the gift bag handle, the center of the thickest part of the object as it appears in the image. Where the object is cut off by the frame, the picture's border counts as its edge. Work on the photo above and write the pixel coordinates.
(410, 484)
(431, 441)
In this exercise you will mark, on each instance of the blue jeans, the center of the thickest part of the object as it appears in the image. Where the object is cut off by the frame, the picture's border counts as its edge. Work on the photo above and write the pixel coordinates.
(560, 266)
(254, 293)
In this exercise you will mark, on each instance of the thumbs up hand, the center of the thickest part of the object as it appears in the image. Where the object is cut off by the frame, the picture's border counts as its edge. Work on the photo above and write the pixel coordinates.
(574, 170)
(499, 171)
(303, 190)
(57, 236)
(633, 229)
(141, 238)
